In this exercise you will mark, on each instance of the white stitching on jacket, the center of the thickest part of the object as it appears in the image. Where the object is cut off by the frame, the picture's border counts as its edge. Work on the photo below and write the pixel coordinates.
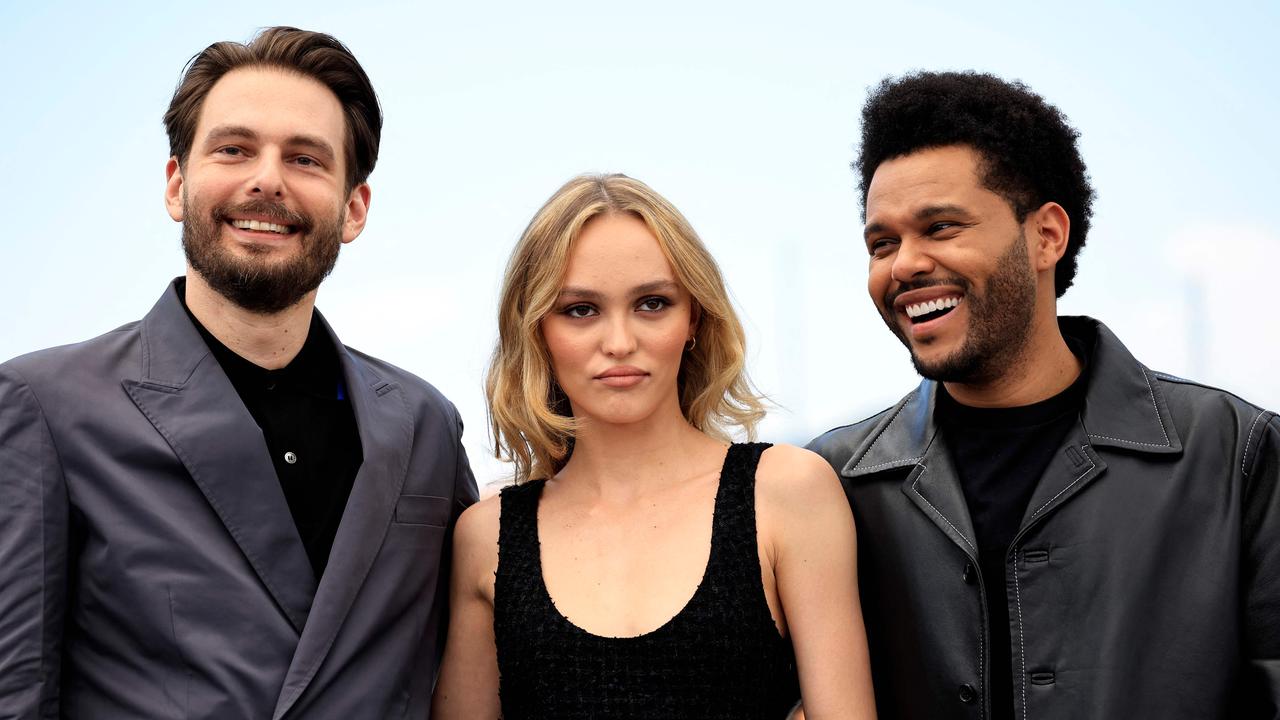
(1127, 442)
(982, 670)
(1022, 645)
(1049, 502)
(1163, 430)
(1152, 391)
(882, 432)
(1249, 441)
(931, 507)
(891, 462)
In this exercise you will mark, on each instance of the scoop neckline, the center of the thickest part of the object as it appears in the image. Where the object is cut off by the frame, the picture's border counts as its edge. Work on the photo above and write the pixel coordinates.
(697, 591)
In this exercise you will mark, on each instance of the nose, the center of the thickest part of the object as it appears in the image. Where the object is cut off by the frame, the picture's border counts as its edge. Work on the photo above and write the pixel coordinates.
(619, 339)
(268, 177)
(911, 260)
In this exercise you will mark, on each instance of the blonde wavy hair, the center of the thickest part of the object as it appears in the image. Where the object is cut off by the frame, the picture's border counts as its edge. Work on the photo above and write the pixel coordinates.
(529, 414)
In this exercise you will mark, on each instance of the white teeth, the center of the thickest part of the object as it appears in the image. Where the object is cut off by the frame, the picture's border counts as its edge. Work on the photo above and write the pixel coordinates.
(263, 226)
(924, 308)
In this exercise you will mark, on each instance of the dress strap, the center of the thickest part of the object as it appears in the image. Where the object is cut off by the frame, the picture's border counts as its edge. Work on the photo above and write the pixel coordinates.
(733, 528)
(518, 521)
(519, 577)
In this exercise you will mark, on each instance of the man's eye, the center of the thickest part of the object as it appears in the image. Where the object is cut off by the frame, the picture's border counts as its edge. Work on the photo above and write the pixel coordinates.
(579, 311)
(230, 150)
(653, 304)
(307, 161)
(880, 247)
(938, 227)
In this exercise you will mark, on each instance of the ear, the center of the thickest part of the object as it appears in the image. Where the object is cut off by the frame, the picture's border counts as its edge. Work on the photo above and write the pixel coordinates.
(1048, 231)
(357, 212)
(173, 188)
(695, 316)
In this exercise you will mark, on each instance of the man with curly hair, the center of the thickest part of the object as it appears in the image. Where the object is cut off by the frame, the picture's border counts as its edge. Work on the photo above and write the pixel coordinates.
(1047, 528)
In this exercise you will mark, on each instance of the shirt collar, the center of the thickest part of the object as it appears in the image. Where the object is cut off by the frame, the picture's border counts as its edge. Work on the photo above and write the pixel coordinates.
(315, 370)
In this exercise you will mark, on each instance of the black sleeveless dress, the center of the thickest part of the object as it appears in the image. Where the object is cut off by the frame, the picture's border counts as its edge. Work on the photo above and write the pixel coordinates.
(720, 657)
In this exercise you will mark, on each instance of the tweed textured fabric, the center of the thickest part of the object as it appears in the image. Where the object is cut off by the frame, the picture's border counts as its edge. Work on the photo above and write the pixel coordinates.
(720, 657)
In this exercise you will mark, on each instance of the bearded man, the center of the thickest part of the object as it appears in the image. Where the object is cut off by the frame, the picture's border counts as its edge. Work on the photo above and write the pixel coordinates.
(221, 511)
(1046, 527)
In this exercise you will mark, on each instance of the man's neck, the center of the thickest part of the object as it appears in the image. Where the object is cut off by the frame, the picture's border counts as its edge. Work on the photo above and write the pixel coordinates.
(268, 341)
(1045, 368)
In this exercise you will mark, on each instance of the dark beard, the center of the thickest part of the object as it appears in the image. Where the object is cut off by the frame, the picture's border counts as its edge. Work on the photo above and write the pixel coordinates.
(259, 285)
(999, 321)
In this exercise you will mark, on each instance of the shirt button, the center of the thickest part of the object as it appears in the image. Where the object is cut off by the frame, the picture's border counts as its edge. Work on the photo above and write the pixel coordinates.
(970, 574)
(290, 458)
(967, 694)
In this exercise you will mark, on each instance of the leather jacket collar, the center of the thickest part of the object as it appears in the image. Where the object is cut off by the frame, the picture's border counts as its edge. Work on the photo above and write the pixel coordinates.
(1122, 409)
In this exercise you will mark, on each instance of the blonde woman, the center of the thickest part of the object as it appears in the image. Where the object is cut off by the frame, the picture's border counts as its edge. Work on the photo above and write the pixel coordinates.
(642, 566)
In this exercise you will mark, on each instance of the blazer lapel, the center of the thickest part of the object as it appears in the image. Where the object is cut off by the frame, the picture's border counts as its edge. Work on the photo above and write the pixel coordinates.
(386, 439)
(191, 403)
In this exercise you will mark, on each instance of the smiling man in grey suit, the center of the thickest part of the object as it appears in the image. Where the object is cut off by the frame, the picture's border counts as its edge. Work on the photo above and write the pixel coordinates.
(220, 511)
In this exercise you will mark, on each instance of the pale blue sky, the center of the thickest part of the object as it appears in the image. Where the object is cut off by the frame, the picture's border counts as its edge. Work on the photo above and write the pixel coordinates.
(744, 114)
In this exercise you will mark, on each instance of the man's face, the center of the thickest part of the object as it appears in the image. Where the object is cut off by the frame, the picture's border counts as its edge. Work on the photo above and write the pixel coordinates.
(262, 193)
(950, 270)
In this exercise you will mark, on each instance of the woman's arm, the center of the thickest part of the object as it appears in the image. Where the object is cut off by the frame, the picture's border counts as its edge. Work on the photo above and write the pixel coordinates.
(468, 683)
(804, 520)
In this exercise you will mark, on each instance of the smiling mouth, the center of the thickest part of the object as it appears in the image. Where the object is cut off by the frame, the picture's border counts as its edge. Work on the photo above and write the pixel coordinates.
(931, 309)
(262, 226)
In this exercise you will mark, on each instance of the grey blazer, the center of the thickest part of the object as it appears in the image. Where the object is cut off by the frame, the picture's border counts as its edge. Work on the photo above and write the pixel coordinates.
(149, 566)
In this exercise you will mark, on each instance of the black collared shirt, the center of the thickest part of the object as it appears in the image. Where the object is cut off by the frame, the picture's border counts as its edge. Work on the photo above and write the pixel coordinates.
(999, 455)
(309, 427)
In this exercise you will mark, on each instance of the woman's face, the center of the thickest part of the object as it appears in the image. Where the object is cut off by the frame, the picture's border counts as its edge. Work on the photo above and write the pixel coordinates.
(618, 329)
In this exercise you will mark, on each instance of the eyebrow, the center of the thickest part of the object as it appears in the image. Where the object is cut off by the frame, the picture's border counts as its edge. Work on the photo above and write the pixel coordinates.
(580, 293)
(924, 213)
(311, 142)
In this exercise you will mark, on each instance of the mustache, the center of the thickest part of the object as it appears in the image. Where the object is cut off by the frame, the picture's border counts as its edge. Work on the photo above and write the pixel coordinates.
(276, 212)
(892, 295)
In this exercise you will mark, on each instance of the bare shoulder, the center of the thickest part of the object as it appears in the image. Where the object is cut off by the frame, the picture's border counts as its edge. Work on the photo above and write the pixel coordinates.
(796, 478)
(478, 524)
(475, 540)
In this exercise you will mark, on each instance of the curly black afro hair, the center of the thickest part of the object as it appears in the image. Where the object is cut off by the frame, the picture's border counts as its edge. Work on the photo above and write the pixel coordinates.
(1029, 151)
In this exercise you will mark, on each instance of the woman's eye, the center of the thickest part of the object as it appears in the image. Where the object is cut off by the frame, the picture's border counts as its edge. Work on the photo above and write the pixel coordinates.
(653, 304)
(579, 311)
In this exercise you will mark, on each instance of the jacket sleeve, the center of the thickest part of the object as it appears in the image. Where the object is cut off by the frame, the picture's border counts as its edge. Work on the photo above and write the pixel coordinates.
(33, 555)
(1260, 568)
(465, 493)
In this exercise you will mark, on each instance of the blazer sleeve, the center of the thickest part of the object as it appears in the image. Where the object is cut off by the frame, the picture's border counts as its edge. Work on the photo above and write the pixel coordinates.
(33, 554)
(465, 493)
(1260, 567)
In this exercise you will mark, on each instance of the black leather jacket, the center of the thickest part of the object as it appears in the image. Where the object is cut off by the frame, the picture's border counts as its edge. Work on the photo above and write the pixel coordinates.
(1144, 581)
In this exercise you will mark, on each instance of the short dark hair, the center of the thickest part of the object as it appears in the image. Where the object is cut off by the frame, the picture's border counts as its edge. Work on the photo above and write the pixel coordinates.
(1028, 149)
(311, 54)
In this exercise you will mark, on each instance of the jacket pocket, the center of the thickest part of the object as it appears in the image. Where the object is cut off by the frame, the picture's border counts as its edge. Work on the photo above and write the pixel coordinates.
(423, 510)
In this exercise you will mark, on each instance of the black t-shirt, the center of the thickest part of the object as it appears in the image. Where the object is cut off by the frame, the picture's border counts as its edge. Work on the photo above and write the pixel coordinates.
(309, 427)
(999, 455)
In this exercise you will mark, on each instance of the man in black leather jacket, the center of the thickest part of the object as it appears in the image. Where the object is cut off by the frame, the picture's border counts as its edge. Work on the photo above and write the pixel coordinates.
(1047, 528)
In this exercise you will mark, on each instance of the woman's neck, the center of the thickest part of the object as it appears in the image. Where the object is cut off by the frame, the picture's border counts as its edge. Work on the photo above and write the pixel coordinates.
(621, 462)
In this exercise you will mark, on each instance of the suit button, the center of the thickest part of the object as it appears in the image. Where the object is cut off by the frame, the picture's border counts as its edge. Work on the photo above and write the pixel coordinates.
(967, 694)
(970, 574)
